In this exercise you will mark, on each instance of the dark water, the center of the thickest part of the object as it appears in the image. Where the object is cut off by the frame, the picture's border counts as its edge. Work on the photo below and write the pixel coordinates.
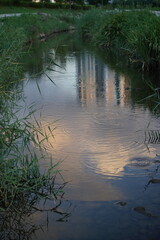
(105, 141)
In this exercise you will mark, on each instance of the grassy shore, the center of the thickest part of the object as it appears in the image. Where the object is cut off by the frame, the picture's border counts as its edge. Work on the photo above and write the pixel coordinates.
(134, 33)
(40, 22)
(22, 182)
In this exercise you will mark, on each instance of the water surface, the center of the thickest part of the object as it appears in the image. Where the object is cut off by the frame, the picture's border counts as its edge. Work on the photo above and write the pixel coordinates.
(104, 143)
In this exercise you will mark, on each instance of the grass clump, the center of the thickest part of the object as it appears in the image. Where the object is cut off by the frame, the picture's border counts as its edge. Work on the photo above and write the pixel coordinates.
(21, 180)
(87, 23)
(144, 40)
(135, 33)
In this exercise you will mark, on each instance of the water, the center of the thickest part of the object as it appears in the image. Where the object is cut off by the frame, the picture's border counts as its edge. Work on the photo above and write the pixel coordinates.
(104, 143)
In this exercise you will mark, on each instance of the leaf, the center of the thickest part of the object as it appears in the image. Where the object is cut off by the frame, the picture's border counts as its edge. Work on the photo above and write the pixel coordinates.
(150, 96)
(53, 70)
(50, 79)
(55, 64)
(38, 87)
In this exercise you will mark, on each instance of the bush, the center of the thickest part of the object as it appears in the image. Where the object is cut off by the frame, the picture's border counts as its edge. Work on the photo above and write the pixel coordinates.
(9, 2)
(77, 7)
(53, 5)
(32, 4)
(87, 7)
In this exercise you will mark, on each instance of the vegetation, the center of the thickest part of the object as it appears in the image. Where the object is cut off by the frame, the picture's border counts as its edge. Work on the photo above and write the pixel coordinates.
(23, 184)
(29, 27)
(135, 33)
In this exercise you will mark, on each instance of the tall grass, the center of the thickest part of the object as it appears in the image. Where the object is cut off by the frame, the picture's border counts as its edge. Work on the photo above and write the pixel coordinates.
(135, 33)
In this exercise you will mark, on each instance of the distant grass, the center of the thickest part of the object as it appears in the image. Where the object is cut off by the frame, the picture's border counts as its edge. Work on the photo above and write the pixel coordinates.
(35, 24)
(14, 9)
(153, 8)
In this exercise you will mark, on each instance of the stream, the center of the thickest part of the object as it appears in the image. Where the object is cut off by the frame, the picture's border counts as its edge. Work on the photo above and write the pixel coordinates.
(106, 139)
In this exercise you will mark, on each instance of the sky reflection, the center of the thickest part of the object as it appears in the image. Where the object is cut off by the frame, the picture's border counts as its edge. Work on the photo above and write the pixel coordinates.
(99, 129)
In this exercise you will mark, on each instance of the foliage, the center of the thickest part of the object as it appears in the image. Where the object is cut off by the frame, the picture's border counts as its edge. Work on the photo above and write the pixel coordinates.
(21, 178)
(145, 41)
(111, 31)
(136, 33)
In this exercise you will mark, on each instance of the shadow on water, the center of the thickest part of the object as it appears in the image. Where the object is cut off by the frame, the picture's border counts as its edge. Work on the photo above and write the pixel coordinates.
(20, 223)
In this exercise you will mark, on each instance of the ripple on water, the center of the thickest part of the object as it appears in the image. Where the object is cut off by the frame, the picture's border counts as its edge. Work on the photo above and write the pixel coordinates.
(105, 142)
(115, 168)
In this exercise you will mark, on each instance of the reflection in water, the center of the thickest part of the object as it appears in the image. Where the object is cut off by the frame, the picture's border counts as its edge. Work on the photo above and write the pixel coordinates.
(97, 137)
(20, 223)
(97, 82)
(15, 226)
(100, 139)
(87, 80)
(117, 88)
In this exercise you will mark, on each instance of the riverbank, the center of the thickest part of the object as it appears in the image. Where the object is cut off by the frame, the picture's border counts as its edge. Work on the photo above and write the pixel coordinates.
(22, 182)
(16, 35)
(132, 33)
